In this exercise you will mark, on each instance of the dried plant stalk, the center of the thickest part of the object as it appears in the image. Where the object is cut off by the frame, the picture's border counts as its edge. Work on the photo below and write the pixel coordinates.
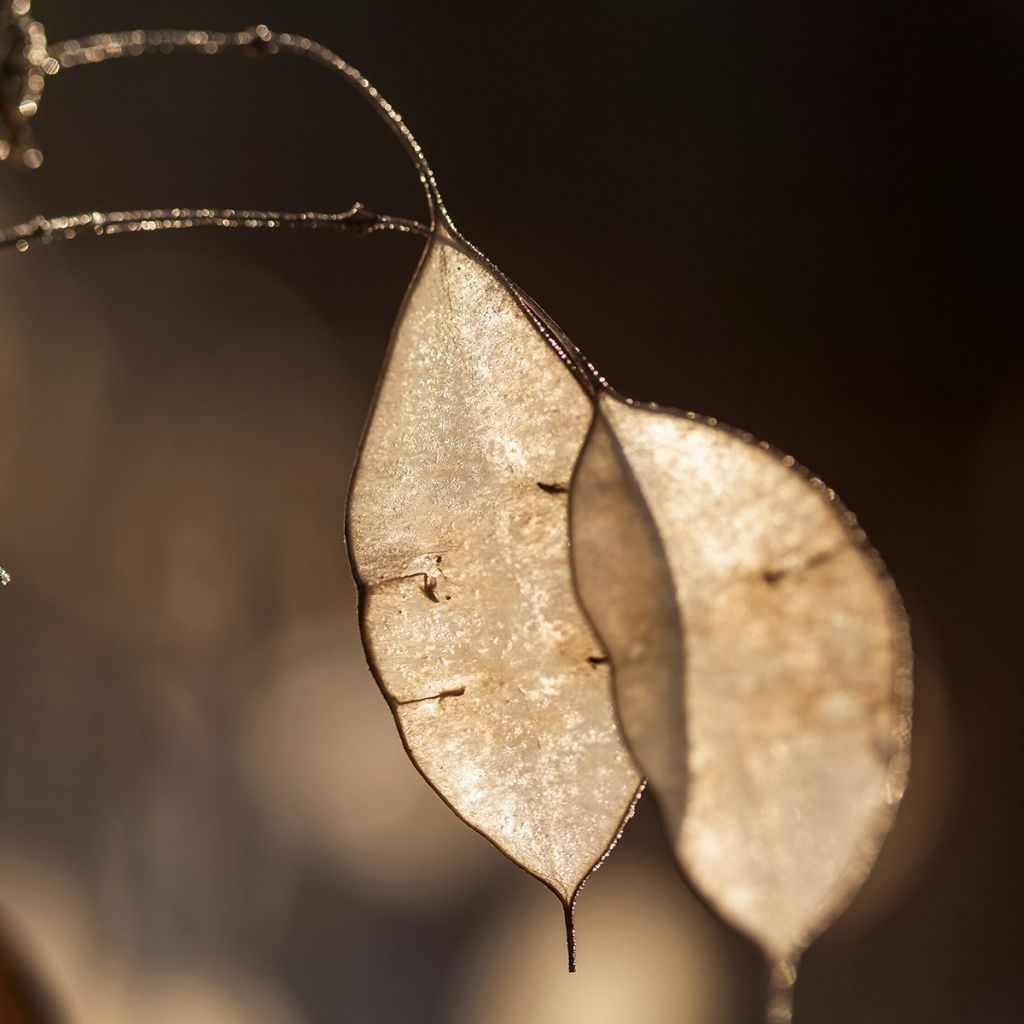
(761, 654)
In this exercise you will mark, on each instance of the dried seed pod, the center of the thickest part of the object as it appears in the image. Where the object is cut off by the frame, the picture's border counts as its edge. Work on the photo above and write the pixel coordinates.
(761, 663)
(458, 534)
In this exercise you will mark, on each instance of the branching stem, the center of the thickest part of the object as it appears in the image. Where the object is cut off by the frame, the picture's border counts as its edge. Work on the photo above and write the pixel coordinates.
(257, 41)
(45, 60)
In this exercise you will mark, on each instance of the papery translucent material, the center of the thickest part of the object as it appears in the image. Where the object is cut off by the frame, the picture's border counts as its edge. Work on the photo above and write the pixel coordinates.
(458, 533)
(761, 661)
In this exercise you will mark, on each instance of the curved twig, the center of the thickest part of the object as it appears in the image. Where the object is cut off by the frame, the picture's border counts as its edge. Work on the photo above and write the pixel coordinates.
(259, 40)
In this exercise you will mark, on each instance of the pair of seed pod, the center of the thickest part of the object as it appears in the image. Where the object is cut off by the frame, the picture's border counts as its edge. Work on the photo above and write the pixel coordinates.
(563, 591)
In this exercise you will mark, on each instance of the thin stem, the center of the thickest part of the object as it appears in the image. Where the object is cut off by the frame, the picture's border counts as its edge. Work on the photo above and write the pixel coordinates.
(570, 932)
(259, 40)
(781, 985)
(358, 221)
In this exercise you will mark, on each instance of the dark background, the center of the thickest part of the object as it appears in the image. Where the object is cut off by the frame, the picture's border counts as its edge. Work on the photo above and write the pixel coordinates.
(803, 219)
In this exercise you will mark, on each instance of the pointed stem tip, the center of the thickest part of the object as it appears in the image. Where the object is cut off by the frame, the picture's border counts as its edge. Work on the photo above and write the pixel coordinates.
(570, 933)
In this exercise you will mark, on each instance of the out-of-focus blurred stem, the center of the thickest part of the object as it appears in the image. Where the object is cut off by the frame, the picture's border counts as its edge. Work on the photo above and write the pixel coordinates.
(781, 983)
(357, 221)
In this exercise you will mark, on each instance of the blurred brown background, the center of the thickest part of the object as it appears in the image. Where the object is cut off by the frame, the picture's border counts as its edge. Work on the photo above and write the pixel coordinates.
(805, 220)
